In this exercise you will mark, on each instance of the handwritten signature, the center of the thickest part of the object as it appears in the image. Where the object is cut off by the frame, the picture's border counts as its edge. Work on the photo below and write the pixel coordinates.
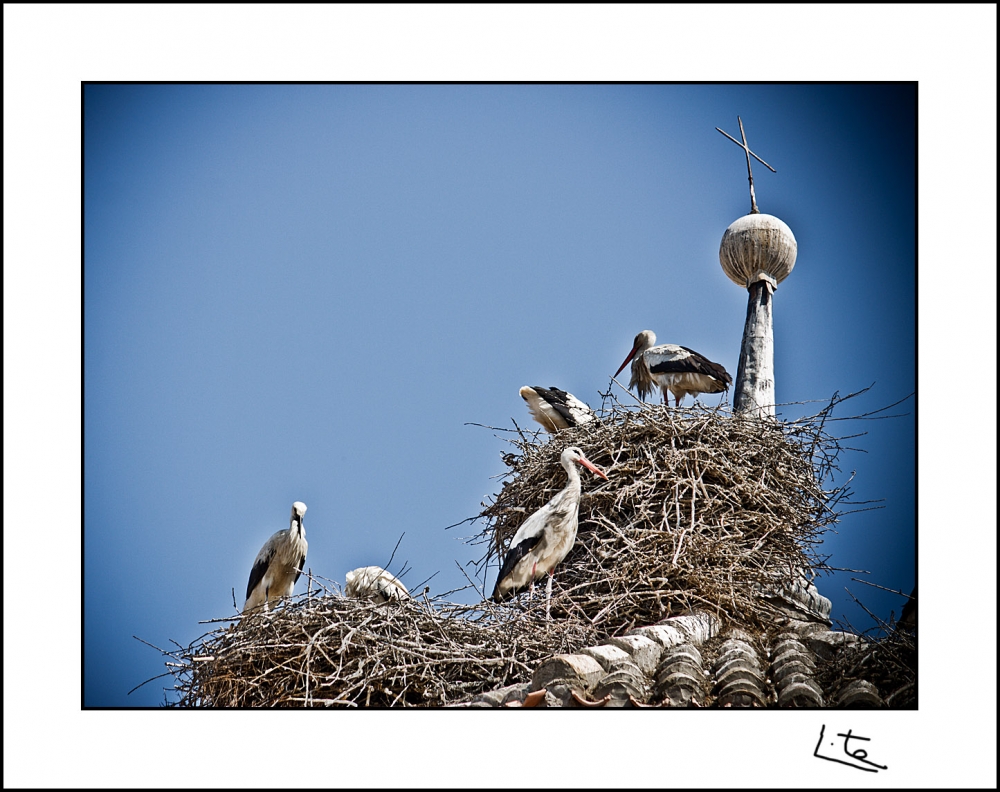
(859, 755)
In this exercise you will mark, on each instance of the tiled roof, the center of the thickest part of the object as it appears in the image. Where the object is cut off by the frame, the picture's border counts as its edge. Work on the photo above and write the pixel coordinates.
(690, 661)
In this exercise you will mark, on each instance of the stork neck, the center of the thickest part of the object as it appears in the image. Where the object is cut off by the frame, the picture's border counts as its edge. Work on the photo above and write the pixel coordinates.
(573, 473)
(297, 528)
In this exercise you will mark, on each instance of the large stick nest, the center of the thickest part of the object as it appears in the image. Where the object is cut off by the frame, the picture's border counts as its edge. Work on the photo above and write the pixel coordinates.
(702, 509)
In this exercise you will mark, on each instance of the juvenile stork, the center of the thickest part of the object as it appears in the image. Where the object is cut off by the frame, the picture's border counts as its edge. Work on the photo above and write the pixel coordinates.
(375, 583)
(544, 539)
(279, 563)
(555, 409)
(671, 367)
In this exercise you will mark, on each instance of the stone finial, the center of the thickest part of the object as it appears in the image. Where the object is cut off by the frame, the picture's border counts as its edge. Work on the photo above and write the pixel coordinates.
(757, 247)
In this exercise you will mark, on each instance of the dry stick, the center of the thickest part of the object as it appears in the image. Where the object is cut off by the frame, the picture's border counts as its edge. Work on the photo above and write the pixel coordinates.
(519, 432)
(875, 585)
(158, 676)
(876, 619)
(481, 592)
(158, 649)
(680, 541)
(485, 426)
(615, 380)
(677, 524)
(309, 647)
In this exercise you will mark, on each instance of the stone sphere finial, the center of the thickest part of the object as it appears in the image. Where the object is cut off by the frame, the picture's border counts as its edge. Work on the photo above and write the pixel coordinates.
(757, 245)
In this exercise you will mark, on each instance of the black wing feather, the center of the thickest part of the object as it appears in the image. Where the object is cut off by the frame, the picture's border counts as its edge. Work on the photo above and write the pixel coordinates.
(557, 399)
(300, 566)
(258, 571)
(697, 362)
(561, 404)
(515, 555)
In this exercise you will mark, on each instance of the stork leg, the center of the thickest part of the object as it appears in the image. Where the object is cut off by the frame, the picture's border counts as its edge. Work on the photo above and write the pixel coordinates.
(531, 587)
(548, 597)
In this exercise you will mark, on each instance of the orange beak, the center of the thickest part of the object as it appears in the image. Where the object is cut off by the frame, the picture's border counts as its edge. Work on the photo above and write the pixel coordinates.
(591, 466)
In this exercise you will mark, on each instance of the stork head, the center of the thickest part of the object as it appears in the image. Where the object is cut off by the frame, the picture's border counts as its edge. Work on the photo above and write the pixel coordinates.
(642, 342)
(298, 511)
(574, 454)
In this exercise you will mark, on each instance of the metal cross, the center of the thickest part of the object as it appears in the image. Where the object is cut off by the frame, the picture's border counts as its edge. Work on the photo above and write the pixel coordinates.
(749, 153)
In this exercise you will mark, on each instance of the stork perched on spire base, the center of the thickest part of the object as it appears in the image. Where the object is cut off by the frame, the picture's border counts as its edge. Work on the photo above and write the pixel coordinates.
(672, 368)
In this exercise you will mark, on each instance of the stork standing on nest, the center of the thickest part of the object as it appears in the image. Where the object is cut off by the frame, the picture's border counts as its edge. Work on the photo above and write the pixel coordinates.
(671, 367)
(547, 536)
(555, 409)
(279, 563)
(376, 583)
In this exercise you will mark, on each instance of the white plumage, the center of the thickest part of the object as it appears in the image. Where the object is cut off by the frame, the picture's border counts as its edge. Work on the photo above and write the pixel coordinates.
(279, 563)
(555, 409)
(376, 583)
(671, 367)
(545, 538)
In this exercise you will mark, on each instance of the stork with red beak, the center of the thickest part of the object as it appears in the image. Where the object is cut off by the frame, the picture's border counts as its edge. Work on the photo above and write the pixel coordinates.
(547, 536)
(671, 367)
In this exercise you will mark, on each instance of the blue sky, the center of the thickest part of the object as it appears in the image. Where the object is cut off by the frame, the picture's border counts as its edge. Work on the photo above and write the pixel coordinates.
(306, 292)
(626, 187)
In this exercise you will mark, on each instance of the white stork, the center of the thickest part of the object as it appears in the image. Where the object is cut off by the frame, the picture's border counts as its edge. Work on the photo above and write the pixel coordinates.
(279, 563)
(671, 367)
(544, 539)
(555, 409)
(376, 583)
